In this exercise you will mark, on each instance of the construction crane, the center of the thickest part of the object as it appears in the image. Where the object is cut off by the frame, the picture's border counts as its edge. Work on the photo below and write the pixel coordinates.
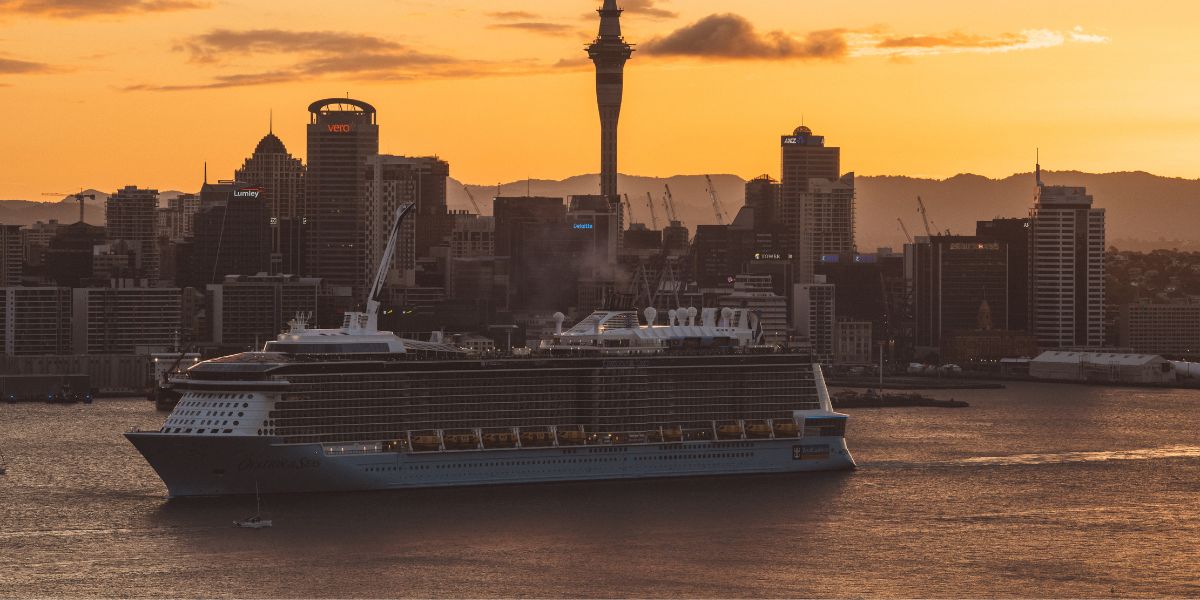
(80, 196)
(669, 203)
(653, 217)
(472, 198)
(628, 211)
(924, 216)
(712, 193)
(905, 230)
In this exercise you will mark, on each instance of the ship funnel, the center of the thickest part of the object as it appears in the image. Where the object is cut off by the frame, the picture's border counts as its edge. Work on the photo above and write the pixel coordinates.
(558, 321)
(651, 315)
(671, 314)
(691, 313)
(726, 316)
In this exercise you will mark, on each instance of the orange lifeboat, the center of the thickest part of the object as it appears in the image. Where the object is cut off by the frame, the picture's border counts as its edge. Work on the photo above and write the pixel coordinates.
(785, 429)
(571, 437)
(425, 442)
(672, 434)
(758, 429)
(502, 439)
(461, 441)
(729, 432)
(536, 438)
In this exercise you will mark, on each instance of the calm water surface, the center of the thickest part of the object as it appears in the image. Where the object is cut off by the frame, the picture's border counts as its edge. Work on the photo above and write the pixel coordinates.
(1037, 490)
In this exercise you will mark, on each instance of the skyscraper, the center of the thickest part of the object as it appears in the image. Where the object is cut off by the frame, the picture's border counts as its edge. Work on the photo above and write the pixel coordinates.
(816, 201)
(231, 235)
(342, 135)
(1067, 267)
(609, 53)
(280, 179)
(132, 217)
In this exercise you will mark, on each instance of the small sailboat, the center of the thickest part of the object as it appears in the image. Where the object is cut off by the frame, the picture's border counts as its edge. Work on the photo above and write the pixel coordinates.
(257, 521)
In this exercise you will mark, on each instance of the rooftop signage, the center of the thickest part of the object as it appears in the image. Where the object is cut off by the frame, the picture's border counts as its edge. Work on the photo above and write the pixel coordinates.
(339, 127)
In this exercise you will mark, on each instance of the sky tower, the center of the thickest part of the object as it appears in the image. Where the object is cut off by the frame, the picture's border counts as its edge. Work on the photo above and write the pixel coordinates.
(609, 52)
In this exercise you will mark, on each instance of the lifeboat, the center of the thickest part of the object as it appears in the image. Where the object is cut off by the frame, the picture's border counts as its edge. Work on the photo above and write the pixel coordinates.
(758, 429)
(785, 429)
(672, 434)
(571, 437)
(536, 438)
(461, 441)
(502, 439)
(729, 432)
(425, 442)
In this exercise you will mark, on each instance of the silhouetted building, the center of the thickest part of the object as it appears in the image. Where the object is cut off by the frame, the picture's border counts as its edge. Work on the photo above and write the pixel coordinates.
(120, 320)
(861, 291)
(131, 216)
(816, 201)
(1172, 329)
(231, 236)
(342, 135)
(609, 53)
(675, 239)
(814, 310)
(518, 223)
(763, 195)
(280, 178)
(1014, 233)
(248, 310)
(1067, 267)
(852, 342)
(35, 320)
(952, 277)
(69, 258)
(391, 182)
(12, 258)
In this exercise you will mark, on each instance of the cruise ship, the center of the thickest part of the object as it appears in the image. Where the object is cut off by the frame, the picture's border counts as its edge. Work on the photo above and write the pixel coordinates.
(612, 397)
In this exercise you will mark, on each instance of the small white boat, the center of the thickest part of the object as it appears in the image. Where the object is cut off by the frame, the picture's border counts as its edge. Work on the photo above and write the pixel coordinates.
(255, 522)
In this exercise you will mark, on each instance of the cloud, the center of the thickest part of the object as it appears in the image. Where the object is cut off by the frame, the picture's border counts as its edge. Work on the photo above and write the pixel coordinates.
(87, 8)
(513, 15)
(221, 43)
(647, 8)
(309, 55)
(537, 27)
(730, 36)
(910, 46)
(12, 66)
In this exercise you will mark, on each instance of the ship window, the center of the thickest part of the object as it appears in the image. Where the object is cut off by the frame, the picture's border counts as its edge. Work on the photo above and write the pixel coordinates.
(228, 431)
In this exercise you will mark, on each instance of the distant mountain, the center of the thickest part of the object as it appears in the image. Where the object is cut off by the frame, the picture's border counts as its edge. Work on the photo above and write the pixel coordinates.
(1144, 211)
(65, 210)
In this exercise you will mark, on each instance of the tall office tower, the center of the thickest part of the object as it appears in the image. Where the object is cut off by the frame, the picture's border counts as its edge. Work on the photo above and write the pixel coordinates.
(1014, 233)
(69, 257)
(1067, 267)
(247, 310)
(816, 202)
(609, 53)
(392, 181)
(231, 236)
(280, 178)
(533, 233)
(132, 217)
(12, 260)
(952, 278)
(342, 135)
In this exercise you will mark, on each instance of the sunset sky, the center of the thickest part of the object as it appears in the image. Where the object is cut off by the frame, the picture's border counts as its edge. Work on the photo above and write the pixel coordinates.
(104, 93)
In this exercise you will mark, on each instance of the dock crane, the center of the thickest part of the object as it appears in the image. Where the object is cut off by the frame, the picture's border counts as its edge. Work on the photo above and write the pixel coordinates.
(653, 217)
(628, 211)
(712, 194)
(80, 196)
(669, 203)
(905, 230)
(472, 198)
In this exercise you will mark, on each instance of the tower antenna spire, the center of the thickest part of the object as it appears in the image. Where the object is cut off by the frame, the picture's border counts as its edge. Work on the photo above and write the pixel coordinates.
(1037, 168)
(271, 121)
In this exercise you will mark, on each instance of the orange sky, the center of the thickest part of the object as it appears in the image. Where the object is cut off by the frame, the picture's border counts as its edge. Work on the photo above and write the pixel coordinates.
(104, 93)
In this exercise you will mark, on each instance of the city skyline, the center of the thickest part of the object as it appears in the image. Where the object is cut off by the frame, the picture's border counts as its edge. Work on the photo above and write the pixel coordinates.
(965, 89)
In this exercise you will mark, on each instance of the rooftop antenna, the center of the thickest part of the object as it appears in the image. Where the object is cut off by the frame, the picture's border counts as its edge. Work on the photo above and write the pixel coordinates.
(1038, 166)
(271, 121)
(206, 171)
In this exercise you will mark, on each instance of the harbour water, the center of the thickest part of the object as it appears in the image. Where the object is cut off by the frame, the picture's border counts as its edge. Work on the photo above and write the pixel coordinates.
(1035, 490)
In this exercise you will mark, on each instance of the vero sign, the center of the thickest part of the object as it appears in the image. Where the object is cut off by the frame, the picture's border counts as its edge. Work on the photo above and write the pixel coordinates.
(339, 128)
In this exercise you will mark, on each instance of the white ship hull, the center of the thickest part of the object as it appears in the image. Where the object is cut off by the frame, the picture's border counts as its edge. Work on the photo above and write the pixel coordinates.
(200, 466)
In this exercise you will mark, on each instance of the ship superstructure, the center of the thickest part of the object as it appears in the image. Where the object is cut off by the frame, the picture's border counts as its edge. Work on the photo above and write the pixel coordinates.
(612, 397)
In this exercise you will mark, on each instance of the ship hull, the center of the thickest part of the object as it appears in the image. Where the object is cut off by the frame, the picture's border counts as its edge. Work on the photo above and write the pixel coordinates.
(216, 466)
